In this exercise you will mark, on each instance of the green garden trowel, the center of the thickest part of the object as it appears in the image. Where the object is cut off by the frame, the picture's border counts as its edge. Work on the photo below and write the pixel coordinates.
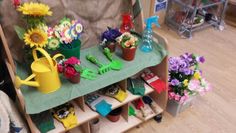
(102, 68)
(115, 64)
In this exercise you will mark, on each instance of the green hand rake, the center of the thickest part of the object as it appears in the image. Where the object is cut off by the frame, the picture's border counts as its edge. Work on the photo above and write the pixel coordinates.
(102, 68)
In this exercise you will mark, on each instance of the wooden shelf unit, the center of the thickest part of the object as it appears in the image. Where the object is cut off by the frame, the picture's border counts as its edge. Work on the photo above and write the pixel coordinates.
(83, 112)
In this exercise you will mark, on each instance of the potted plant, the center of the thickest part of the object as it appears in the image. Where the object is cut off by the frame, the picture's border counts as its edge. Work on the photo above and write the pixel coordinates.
(128, 44)
(71, 69)
(185, 82)
(109, 38)
(66, 36)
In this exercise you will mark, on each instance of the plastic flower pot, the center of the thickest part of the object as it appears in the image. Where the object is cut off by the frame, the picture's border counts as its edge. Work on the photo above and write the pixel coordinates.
(111, 46)
(75, 79)
(114, 115)
(69, 50)
(175, 107)
(128, 54)
(95, 125)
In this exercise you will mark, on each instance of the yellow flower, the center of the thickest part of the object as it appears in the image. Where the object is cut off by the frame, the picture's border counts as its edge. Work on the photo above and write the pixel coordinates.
(36, 37)
(185, 82)
(197, 75)
(35, 9)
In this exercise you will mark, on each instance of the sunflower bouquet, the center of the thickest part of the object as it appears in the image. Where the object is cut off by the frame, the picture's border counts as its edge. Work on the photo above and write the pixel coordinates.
(34, 13)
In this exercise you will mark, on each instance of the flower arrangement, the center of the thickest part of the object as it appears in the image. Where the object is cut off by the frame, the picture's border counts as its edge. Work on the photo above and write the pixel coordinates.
(185, 77)
(65, 33)
(70, 67)
(109, 38)
(110, 35)
(127, 40)
(34, 13)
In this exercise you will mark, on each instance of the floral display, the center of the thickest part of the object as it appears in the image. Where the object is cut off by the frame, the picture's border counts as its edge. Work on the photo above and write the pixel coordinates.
(35, 34)
(185, 77)
(110, 35)
(65, 33)
(69, 67)
(127, 40)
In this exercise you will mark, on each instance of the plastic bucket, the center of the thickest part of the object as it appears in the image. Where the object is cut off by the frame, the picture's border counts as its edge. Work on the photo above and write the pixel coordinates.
(72, 49)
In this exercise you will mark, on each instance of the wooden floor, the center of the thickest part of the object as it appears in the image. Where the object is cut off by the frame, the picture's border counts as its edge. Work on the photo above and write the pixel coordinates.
(216, 111)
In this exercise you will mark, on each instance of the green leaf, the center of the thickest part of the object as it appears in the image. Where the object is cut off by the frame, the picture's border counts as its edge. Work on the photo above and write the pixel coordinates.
(19, 31)
(78, 68)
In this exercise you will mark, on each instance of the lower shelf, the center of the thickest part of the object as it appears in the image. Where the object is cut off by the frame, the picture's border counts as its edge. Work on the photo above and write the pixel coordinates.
(88, 114)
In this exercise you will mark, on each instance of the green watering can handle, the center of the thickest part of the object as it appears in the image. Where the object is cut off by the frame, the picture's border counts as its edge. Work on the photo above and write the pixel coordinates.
(93, 59)
(108, 53)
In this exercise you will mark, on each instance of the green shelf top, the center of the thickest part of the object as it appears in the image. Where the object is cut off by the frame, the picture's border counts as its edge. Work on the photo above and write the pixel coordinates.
(36, 102)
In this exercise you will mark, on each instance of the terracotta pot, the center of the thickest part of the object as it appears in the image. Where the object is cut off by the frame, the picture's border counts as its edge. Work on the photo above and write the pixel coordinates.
(114, 115)
(111, 46)
(128, 54)
(75, 79)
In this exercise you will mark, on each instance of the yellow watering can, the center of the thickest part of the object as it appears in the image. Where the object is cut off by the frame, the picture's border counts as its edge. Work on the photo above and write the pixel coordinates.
(44, 72)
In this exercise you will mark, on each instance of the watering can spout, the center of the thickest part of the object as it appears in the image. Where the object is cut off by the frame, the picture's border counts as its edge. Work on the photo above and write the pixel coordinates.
(19, 82)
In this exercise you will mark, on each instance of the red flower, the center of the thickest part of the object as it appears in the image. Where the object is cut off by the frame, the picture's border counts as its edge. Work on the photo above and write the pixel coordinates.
(72, 61)
(60, 68)
(16, 3)
(69, 72)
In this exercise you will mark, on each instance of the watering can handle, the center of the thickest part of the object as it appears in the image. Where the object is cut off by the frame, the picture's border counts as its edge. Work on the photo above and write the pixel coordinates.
(57, 56)
(43, 52)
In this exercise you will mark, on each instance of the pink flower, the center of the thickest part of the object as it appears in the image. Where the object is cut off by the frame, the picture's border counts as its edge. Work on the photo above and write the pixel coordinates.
(72, 61)
(69, 72)
(177, 97)
(194, 85)
(183, 99)
(171, 95)
(60, 68)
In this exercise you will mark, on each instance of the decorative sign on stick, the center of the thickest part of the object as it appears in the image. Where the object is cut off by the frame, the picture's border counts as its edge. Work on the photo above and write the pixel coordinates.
(159, 5)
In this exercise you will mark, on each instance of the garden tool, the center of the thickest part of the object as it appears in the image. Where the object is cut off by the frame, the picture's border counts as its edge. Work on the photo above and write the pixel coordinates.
(102, 68)
(148, 100)
(115, 64)
(44, 72)
(140, 106)
(88, 74)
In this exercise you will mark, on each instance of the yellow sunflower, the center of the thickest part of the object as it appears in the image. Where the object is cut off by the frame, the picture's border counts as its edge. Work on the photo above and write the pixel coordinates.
(36, 37)
(35, 9)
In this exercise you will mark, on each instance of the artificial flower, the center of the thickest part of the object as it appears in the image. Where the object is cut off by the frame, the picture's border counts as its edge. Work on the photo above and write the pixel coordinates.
(185, 82)
(16, 3)
(194, 85)
(72, 61)
(197, 75)
(60, 68)
(175, 82)
(36, 37)
(69, 72)
(111, 34)
(35, 9)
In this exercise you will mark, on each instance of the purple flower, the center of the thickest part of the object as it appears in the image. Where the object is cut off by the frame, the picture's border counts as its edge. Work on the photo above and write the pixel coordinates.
(173, 68)
(186, 71)
(200, 59)
(111, 34)
(174, 82)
